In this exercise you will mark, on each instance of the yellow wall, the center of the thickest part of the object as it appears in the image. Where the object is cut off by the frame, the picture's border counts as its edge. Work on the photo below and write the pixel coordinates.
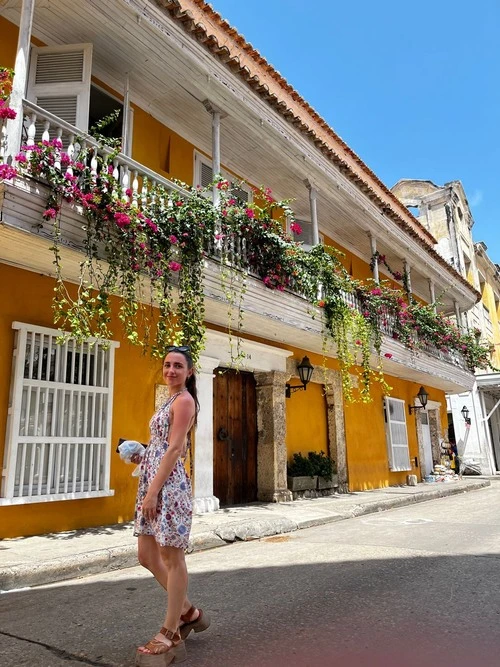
(306, 425)
(488, 299)
(133, 405)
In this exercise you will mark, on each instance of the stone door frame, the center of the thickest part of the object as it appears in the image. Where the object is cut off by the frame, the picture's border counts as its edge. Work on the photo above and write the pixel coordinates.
(433, 409)
(268, 364)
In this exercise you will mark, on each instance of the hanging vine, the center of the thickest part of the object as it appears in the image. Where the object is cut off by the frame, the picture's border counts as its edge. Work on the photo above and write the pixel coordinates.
(148, 247)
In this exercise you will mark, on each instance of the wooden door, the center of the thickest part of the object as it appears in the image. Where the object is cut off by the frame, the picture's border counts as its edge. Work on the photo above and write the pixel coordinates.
(235, 437)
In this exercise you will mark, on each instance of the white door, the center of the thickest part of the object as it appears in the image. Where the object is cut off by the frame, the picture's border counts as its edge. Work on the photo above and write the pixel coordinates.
(428, 464)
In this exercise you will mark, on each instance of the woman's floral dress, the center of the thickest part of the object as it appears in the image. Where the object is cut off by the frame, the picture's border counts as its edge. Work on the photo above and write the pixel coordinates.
(172, 524)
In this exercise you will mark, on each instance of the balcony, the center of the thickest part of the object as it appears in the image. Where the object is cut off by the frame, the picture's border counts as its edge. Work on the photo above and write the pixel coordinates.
(280, 317)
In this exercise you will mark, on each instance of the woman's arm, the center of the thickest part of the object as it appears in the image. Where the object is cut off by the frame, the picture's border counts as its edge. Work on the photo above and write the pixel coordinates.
(181, 419)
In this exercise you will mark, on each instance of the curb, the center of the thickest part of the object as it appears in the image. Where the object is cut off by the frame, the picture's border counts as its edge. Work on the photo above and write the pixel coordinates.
(117, 558)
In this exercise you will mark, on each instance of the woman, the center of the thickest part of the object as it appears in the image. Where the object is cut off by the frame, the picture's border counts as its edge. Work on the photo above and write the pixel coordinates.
(164, 510)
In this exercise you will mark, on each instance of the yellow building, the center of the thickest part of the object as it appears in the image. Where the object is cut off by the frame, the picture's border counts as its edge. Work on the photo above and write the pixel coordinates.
(196, 100)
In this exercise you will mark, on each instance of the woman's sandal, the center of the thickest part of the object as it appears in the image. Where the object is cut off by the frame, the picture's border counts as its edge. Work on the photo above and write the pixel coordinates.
(159, 654)
(202, 622)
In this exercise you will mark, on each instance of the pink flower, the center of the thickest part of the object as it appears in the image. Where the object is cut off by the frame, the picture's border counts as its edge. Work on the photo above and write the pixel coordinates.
(358, 342)
(6, 112)
(179, 203)
(110, 169)
(388, 355)
(129, 192)
(174, 266)
(218, 237)
(222, 185)
(122, 220)
(173, 239)
(49, 213)
(152, 226)
(250, 213)
(296, 228)
(224, 213)
(376, 292)
(57, 143)
(7, 172)
(21, 157)
(231, 202)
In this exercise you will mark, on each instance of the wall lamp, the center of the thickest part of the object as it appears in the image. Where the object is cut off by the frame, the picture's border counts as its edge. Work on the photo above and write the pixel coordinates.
(305, 370)
(422, 397)
(465, 414)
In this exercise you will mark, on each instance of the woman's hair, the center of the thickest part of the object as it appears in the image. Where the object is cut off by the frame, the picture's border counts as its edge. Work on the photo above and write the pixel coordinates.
(191, 380)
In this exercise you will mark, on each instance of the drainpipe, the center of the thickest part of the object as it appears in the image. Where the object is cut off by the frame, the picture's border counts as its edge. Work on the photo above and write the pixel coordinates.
(19, 85)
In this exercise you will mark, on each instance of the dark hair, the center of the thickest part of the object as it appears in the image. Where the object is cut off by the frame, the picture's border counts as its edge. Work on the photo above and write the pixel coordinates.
(191, 380)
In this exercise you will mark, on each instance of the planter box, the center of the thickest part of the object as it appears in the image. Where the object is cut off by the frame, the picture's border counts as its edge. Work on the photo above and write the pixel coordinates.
(302, 483)
(324, 483)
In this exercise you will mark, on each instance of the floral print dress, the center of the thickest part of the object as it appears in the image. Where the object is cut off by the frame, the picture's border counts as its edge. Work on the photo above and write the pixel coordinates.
(172, 524)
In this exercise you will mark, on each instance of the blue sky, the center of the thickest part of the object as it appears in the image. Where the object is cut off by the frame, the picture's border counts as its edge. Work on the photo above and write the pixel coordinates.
(413, 88)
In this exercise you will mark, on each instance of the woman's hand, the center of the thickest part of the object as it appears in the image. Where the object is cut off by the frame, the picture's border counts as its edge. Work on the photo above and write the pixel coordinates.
(150, 506)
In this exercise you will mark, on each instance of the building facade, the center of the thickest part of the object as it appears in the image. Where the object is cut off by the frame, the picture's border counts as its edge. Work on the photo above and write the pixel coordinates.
(195, 101)
(445, 212)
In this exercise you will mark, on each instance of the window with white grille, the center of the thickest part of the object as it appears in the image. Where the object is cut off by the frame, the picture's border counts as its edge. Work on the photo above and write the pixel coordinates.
(203, 175)
(396, 434)
(59, 420)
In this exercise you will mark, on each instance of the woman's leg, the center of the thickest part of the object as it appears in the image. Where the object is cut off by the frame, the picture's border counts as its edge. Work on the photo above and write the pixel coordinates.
(177, 584)
(150, 557)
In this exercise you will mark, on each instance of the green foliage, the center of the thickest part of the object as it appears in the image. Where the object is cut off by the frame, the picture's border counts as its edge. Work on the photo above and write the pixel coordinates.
(301, 466)
(322, 465)
(149, 250)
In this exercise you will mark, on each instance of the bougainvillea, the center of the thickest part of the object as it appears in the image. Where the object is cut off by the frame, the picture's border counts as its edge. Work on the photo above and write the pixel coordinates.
(148, 245)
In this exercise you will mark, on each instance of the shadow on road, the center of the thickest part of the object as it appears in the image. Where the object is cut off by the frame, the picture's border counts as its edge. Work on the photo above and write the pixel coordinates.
(436, 610)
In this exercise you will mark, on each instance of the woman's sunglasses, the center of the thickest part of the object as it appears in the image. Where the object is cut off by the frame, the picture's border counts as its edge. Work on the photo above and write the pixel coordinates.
(178, 348)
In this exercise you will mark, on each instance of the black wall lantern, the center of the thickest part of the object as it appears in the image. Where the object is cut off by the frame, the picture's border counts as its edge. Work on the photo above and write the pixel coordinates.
(422, 397)
(465, 414)
(305, 370)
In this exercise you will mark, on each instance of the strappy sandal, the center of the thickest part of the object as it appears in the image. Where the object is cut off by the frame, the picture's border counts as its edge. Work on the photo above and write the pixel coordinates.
(198, 625)
(160, 654)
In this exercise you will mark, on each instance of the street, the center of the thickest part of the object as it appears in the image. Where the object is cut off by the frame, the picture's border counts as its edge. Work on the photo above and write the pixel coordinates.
(414, 586)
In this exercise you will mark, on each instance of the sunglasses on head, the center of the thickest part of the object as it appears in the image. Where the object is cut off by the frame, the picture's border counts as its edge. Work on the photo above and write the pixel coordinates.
(178, 348)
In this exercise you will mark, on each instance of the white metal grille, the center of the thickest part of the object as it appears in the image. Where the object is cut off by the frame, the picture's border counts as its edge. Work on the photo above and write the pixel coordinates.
(59, 424)
(396, 434)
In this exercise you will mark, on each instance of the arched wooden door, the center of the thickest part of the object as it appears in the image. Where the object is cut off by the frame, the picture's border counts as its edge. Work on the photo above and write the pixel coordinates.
(235, 437)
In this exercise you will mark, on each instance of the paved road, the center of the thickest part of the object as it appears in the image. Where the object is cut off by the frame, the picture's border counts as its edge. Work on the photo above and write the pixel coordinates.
(408, 587)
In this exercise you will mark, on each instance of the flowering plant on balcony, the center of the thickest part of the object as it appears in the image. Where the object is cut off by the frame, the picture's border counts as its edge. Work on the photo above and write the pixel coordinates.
(147, 245)
(7, 172)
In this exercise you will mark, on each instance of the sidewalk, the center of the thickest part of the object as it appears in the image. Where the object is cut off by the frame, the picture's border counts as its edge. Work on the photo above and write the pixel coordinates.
(33, 561)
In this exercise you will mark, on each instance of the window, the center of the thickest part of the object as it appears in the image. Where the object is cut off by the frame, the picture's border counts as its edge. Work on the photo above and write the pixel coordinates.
(488, 326)
(59, 423)
(396, 434)
(203, 175)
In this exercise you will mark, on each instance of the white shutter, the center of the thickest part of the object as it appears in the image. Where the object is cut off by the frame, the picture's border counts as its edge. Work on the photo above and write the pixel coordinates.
(59, 81)
(396, 434)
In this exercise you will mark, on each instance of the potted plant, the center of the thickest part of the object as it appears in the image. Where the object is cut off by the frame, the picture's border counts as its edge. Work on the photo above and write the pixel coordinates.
(301, 475)
(325, 469)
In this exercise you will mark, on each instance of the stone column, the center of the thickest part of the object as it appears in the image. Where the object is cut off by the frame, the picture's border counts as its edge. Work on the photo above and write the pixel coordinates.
(271, 445)
(336, 428)
(203, 464)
